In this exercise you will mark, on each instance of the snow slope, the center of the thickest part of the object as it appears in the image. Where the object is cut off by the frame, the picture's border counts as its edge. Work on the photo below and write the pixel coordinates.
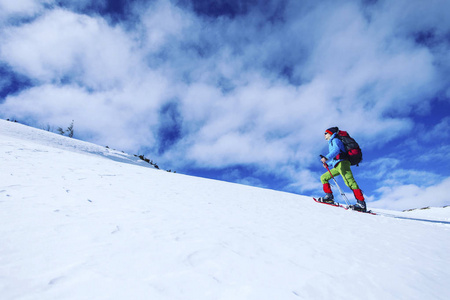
(80, 221)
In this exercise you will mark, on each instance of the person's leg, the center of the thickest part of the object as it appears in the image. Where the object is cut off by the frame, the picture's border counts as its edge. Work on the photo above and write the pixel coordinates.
(325, 178)
(358, 195)
(346, 172)
(347, 175)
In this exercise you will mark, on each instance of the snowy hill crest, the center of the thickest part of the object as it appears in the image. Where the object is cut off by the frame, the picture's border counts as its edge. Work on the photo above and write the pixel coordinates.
(75, 225)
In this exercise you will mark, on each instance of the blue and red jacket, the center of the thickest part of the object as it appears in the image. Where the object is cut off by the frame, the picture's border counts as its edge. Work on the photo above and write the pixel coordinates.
(335, 147)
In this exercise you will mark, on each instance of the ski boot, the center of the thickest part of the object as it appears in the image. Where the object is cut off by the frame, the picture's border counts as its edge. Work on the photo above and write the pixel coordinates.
(329, 198)
(359, 206)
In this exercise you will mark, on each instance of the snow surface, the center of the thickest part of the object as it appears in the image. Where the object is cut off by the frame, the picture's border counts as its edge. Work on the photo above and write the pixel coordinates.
(80, 221)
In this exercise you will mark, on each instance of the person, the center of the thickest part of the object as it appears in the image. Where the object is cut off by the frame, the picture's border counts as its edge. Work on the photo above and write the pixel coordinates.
(338, 165)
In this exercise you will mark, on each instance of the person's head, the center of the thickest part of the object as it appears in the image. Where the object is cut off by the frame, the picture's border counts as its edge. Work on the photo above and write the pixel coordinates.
(329, 132)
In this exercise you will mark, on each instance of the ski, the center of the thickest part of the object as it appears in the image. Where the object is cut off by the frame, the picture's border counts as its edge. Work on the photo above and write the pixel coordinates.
(344, 207)
(330, 204)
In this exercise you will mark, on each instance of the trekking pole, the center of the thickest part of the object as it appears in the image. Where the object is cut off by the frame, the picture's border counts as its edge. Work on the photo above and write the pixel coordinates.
(342, 193)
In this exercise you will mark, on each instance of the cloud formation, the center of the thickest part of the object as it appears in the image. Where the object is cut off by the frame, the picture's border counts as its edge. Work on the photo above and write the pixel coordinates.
(404, 197)
(254, 86)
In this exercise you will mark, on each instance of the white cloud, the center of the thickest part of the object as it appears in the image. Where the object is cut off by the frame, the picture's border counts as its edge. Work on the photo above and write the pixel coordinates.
(440, 131)
(303, 180)
(413, 196)
(401, 170)
(21, 8)
(62, 45)
(118, 119)
(405, 17)
(162, 22)
(383, 166)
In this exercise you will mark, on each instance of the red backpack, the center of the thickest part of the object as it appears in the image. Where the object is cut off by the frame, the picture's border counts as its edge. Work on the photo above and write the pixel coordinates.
(353, 152)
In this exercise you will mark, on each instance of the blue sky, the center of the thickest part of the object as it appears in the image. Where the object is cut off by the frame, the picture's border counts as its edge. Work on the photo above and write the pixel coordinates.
(243, 90)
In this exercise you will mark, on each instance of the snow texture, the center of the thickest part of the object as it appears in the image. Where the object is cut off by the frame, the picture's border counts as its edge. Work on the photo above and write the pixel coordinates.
(81, 221)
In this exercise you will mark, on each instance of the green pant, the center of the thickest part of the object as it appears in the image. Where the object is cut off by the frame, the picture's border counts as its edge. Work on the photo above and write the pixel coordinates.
(342, 168)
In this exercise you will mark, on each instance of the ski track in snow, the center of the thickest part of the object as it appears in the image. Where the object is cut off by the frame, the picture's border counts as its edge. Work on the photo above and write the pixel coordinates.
(80, 221)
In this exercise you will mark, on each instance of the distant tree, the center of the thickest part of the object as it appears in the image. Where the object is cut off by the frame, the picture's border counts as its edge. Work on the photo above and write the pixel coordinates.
(148, 160)
(48, 128)
(69, 130)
